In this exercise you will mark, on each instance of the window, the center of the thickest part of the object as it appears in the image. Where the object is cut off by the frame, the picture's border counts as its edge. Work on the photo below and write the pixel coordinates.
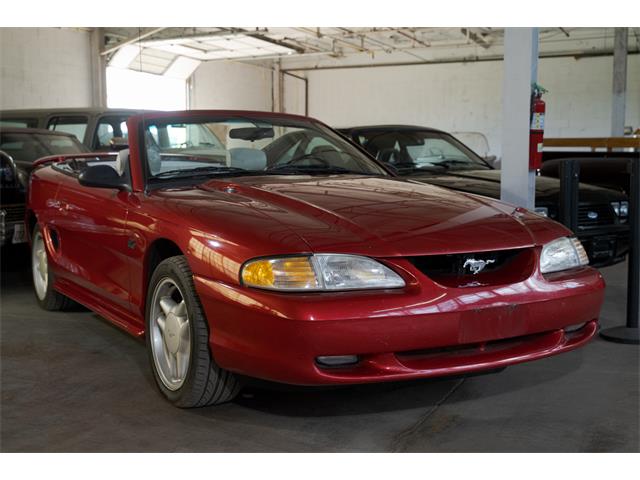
(74, 125)
(19, 123)
(109, 128)
(27, 147)
(235, 146)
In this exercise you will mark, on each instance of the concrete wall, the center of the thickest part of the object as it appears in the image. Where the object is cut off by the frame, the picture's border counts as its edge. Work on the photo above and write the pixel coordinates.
(228, 85)
(468, 97)
(44, 67)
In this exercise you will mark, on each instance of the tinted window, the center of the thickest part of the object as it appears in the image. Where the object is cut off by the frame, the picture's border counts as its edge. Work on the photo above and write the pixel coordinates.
(74, 125)
(27, 147)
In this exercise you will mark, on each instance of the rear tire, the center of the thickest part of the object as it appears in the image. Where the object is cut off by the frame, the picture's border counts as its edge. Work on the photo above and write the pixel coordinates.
(177, 337)
(43, 277)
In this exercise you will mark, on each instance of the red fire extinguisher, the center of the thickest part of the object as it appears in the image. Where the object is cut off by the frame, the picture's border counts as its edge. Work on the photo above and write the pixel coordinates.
(536, 132)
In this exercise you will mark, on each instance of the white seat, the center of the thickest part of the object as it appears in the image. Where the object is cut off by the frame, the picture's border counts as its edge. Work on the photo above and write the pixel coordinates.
(122, 162)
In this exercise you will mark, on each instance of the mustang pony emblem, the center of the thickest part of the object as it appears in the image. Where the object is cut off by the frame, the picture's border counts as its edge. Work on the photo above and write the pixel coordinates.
(476, 266)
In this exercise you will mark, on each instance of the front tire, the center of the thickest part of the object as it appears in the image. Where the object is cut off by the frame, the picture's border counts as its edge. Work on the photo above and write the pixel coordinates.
(177, 337)
(43, 278)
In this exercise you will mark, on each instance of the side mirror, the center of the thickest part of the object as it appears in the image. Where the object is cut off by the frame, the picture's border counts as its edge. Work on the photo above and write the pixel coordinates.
(101, 176)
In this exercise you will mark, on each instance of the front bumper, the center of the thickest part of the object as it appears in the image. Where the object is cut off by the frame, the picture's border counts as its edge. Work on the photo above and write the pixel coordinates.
(422, 331)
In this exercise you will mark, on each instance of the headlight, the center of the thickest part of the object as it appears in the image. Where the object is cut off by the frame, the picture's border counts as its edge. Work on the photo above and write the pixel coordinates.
(319, 272)
(544, 211)
(621, 208)
(562, 254)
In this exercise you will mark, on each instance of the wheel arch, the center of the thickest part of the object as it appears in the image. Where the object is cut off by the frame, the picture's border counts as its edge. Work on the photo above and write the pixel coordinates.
(159, 250)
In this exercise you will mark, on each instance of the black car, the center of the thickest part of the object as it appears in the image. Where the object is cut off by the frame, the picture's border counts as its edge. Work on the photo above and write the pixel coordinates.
(432, 156)
(19, 148)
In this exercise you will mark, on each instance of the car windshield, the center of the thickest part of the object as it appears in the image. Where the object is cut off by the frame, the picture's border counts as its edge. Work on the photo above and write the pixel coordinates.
(413, 152)
(249, 146)
(28, 147)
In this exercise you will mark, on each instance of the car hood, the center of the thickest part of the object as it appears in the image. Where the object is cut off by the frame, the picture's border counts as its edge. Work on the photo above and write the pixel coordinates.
(360, 215)
(487, 183)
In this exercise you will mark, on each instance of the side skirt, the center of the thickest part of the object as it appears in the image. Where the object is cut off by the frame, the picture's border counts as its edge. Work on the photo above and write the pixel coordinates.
(119, 317)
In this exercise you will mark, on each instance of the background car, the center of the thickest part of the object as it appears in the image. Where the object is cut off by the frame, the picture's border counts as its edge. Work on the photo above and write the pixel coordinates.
(19, 148)
(432, 156)
(99, 129)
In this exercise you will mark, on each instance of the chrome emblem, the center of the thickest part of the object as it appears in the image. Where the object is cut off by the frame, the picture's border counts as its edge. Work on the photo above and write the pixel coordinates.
(476, 266)
(592, 215)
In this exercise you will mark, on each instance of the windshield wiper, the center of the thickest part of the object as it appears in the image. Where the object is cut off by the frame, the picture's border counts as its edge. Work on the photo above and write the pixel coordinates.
(314, 169)
(199, 171)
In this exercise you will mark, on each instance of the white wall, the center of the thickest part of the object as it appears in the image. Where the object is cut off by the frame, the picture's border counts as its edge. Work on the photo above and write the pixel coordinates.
(44, 67)
(228, 85)
(468, 97)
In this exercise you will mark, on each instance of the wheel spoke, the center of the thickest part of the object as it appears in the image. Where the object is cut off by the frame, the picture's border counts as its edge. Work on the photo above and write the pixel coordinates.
(184, 330)
(167, 304)
(173, 366)
(180, 363)
(161, 322)
(167, 354)
(181, 309)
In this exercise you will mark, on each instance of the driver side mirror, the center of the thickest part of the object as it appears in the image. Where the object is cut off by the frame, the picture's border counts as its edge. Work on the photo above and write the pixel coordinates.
(102, 176)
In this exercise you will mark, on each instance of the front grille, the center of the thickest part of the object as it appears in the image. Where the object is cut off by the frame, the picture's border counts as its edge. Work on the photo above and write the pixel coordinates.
(595, 215)
(477, 268)
(13, 213)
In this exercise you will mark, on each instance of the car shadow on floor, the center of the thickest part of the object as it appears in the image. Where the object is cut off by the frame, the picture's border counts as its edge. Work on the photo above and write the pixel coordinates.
(291, 401)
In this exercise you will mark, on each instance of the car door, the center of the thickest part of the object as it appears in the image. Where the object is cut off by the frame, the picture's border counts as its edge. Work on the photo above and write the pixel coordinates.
(94, 239)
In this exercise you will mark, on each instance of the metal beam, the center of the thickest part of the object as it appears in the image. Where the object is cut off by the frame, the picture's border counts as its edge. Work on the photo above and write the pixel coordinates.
(414, 38)
(488, 58)
(136, 38)
(517, 184)
(619, 81)
(280, 43)
(474, 37)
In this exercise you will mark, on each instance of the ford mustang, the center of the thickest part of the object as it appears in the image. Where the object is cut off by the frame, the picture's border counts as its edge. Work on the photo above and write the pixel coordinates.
(266, 245)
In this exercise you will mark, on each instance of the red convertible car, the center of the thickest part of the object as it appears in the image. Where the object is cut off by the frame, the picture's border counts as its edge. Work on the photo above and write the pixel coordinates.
(266, 245)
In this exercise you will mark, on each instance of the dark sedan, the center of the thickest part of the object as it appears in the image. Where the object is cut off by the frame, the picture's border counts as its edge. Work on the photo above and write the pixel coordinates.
(19, 148)
(432, 156)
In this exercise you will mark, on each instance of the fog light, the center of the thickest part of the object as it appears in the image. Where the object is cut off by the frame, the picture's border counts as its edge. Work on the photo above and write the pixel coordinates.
(337, 360)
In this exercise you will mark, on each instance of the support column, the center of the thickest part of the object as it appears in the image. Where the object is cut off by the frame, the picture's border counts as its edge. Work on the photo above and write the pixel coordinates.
(277, 93)
(520, 71)
(619, 81)
(98, 70)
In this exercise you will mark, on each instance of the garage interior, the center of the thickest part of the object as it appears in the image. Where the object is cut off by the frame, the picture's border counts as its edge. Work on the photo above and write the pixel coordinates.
(474, 82)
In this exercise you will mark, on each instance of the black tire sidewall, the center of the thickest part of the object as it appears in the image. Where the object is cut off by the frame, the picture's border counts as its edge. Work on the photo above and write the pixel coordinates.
(168, 269)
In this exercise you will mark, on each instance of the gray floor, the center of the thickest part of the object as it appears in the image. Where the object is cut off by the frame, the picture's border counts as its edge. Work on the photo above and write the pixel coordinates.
(72, 382)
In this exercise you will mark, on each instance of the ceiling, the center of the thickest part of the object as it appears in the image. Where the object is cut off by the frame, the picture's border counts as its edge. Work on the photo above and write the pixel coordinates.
(177, 51)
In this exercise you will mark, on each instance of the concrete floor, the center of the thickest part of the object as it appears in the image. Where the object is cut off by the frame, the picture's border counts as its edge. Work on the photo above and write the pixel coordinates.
(72, 382)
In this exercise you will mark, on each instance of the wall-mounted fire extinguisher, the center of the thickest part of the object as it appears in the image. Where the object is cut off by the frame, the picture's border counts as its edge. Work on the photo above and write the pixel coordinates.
(536, 132)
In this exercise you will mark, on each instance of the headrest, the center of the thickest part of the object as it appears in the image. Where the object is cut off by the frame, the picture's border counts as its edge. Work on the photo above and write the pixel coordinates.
(122, 162)
(247, 158)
